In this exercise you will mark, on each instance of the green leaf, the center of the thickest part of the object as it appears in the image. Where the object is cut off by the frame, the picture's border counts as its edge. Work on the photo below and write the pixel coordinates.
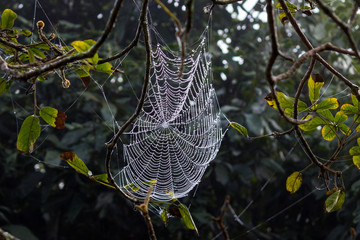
(355, 101)
(242, 130)
(335, 201)
(315, 83)
(132, 187)
(80, 46)
(31, 55)
(283, 18)
(328, 132)
(103, 179)
(356, 161)
(312, 124)
(327, 115)
(286, 102)
(349, 109)
(291, 6)
(164, 216)
(83, 73)
(76, 163)
(344, 129)
(29, 132)
(4, 87)
(38, 52)
(186, 216)
(83, 46)
(104, 67)
(340, 117)
(53, 117)
(7, 19)
(355, 151)
(26, 32)
(293, 182)
(329, 103)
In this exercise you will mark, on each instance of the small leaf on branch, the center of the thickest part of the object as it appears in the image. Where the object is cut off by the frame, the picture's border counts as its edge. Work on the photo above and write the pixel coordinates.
(283, 18)
(4, 86)
(104, 67)
(103, 179)
(293, 182)
(328, 132)
(355, 152)
(76, 163)
(285, 102)
(83, 46)
(186, 216)
(53, 117)
(315, 83)
(26, 32)
(291, 6)
(242, 130)
(164, 217)
(37, 52)
(312, 124)
(329, 103)
(349, 109)
(340, 117)
(8, 18)
(29, 132)
(335, 201)
(31, 55)
(344, 129)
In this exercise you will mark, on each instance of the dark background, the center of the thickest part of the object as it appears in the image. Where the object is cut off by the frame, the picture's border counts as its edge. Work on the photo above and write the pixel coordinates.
(41, 198)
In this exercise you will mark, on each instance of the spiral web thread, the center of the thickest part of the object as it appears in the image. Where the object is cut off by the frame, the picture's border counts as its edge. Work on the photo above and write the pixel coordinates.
(178, 132)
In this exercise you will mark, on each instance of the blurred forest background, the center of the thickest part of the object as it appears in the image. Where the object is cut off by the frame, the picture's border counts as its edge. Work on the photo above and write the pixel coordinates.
(41, 198)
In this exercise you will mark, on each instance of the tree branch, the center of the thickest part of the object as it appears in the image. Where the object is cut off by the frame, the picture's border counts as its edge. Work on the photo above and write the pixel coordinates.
(135, 41)
(219, 219)
(111, 144)
(341, 24)
(24, 76)
(354, 88)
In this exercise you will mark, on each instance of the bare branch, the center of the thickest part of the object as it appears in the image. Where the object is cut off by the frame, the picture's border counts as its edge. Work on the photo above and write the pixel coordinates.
(115, 139)
(220, 219)
(354, 88)
(134, 42)
(341, 24)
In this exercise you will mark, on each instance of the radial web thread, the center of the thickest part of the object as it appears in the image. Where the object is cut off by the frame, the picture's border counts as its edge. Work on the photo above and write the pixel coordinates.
(178, 132)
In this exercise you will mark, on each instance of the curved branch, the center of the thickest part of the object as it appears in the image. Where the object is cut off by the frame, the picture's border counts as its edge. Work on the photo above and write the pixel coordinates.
(354, 88)
(341, 24)
(115, 139)
(135, 41)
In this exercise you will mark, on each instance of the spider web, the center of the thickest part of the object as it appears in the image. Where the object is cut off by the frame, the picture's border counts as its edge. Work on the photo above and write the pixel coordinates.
(147, 128)
(178, 132)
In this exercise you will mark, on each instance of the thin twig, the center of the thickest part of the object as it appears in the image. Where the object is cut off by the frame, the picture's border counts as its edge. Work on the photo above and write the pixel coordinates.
(219, 220)
(273, 134)
(354, 88)
(110, 145)
(135, 41)
(305, 56)
(341, 24)
(273, 55)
